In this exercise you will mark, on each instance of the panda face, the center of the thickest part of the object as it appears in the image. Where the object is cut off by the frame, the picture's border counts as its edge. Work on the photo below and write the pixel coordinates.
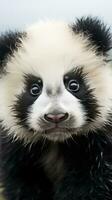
(54, 86)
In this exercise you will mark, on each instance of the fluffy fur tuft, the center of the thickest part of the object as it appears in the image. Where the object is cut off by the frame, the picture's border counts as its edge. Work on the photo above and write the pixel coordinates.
(9, 42)
(97, 32)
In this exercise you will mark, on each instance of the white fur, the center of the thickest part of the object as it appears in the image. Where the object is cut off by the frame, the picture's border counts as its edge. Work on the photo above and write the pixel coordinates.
(50, 50)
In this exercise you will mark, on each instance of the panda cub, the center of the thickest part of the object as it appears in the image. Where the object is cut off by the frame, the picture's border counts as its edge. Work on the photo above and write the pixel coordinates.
(56, 111)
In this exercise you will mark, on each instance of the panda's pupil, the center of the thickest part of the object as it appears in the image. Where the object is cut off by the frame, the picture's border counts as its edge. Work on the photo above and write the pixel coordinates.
(73, 85)
(35, 90)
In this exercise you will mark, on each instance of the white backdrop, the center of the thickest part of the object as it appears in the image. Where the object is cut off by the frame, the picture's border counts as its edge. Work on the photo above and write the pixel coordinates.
(18, 13)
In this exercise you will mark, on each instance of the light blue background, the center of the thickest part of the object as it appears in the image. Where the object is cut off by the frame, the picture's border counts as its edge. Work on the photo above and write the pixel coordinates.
(15, 14)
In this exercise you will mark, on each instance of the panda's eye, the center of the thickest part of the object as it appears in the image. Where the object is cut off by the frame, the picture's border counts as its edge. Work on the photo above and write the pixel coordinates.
(35, 89)
(73, 86)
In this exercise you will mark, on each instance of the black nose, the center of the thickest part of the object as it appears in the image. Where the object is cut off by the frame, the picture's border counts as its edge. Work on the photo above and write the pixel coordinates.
(56, 118)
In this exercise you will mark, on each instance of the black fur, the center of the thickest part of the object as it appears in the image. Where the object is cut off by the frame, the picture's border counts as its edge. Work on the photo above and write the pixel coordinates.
(9, 42)
(98, 34)
(87, 171)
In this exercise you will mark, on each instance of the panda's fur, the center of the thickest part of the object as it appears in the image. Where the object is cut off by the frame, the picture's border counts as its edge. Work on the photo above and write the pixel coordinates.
(56, 111)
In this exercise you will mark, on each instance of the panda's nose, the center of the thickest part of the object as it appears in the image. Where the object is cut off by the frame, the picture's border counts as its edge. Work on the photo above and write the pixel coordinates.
(56, 117)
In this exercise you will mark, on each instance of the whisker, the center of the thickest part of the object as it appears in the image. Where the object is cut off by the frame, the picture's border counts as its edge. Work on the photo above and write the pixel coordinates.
(44, 141)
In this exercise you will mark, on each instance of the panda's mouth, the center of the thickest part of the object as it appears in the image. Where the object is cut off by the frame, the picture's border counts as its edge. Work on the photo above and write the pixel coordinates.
(58, 130)
(58, 134)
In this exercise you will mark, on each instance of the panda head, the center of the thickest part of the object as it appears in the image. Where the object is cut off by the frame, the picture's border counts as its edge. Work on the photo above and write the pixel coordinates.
(55, 81)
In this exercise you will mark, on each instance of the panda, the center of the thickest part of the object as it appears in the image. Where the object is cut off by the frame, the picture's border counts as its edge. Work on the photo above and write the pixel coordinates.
(56, 111)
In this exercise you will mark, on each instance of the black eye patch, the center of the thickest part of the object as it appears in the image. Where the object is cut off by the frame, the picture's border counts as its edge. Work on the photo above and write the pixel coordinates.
(33, 89)
(34, 85)
(75, 82)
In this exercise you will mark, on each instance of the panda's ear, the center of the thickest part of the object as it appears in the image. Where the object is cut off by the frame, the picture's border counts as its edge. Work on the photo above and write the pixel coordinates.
(96, 31)
(9, 42)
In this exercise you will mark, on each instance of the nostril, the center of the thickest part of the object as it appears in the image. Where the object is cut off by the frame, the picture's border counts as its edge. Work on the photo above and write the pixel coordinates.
(56, 118)
(63, 116)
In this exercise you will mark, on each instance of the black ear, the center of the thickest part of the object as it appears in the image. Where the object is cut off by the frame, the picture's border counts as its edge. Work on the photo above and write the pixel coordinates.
(9, 42)
(96, 31)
